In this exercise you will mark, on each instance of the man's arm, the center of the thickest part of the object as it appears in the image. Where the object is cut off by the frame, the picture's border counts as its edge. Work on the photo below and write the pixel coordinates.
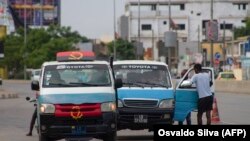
(194, 78)
(211, 83)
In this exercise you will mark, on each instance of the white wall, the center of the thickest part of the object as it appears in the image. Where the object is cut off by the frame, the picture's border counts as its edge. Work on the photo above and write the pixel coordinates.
(192, 16)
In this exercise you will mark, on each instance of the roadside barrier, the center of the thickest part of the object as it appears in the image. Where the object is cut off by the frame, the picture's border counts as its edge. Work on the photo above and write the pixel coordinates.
(8, 95)
(215, 113)
(232, 86)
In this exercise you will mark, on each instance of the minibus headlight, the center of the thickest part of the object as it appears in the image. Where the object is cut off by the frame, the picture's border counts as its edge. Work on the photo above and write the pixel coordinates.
(47, 108)
(120, 105)
(166, 103)
(108, 107)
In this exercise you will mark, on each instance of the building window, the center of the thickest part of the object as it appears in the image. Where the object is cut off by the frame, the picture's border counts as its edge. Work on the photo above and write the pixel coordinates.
(146, 27)
(181, 26)
(153, 7)
(241, 6)
(28, 1)
(164, 22)
(242, 49)
(36, 1)
(182, 6)
(227, 26)
(204, 23)
(244, 6)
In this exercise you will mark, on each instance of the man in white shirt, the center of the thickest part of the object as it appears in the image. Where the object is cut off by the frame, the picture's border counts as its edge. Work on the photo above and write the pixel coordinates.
(205, 103)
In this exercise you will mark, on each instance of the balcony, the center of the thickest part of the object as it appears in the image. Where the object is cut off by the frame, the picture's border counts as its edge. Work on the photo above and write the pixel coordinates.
(154, 14)
(143, 14)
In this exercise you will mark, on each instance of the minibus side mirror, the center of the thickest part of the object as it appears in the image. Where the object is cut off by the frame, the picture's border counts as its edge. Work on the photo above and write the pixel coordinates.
(35, 85)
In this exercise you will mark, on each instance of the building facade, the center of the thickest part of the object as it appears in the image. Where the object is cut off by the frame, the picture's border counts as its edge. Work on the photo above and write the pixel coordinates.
(150, 19)
(5, 18)
(38, 12)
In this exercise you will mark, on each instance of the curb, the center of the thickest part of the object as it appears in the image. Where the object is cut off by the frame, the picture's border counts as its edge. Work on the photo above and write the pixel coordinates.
(16, 81)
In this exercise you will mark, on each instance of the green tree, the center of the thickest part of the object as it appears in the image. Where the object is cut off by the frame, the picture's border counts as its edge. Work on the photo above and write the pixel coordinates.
(41, 45)
(243, 31)
(124, 49)
(13, 58)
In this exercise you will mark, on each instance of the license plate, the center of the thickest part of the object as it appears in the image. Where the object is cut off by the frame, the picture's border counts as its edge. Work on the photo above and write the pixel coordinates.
(78, 130)
(140, 119)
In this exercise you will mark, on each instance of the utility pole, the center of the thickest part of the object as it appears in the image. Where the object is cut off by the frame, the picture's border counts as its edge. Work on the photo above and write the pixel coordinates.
(114, 43)
(139, 28)
(153, 47)
(176, 51)
(212, 48)
(199, 47)
(232, 43)
(224, 44)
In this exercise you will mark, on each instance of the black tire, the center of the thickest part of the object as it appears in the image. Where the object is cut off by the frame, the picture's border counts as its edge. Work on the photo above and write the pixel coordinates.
(45, 138)
(42, 138)
(110, 137)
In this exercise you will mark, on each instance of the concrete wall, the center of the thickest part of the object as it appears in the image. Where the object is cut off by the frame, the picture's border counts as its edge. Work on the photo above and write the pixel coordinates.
(230, 86)
(236, 87)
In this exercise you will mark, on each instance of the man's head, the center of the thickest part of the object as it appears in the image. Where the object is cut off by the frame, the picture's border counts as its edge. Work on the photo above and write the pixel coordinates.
(183, 72)
(197, 68)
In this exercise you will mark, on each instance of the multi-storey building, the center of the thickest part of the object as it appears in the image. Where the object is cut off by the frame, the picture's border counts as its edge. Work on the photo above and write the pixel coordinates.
(152, 17)
(6, 21)
(38, 12)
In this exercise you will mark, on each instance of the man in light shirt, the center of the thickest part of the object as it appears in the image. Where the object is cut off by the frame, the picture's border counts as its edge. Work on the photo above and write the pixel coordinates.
(205, 102)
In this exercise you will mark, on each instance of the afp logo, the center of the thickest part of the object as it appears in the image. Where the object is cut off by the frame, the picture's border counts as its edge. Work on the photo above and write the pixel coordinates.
(76, 113)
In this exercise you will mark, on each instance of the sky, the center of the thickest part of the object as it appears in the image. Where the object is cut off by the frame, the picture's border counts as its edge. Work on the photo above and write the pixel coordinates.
(91, 18)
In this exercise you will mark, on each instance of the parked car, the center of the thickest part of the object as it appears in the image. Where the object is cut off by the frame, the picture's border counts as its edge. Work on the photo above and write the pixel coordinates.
(35, 74)
(226, 76)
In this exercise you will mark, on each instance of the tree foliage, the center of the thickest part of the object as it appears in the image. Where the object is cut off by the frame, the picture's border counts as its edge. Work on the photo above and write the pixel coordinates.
(243, 31)
(124, 49)
(41, 45)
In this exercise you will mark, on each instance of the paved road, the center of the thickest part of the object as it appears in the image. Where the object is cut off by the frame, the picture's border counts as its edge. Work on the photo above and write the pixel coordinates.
(16, 113)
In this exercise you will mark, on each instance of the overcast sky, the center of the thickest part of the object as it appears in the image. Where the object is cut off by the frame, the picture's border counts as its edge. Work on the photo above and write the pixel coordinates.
(91, 18)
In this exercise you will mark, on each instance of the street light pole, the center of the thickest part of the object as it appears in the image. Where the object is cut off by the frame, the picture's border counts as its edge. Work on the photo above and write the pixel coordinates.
(169, 13)
(169, 48)
(199, 48)
(25, 39)
(212, 48)
(139, 20)
(114, 43)
(41, 13)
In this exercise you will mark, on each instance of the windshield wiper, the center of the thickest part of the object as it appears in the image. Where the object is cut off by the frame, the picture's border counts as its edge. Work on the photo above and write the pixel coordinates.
(86, 84)
(131, 84)
(154, 84)
(60, 84)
